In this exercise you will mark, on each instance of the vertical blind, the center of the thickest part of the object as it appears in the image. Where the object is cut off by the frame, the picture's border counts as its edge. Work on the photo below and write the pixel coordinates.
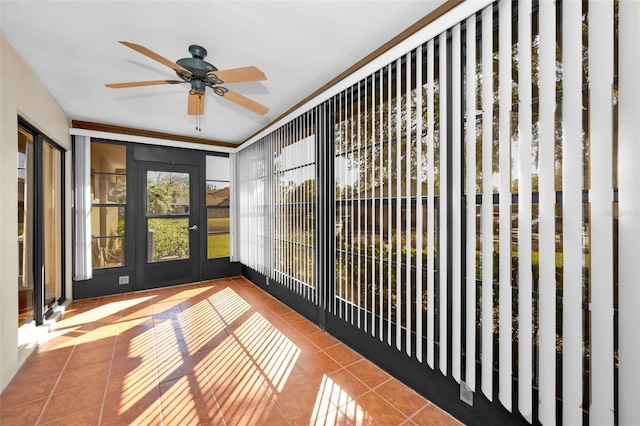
(472, 193)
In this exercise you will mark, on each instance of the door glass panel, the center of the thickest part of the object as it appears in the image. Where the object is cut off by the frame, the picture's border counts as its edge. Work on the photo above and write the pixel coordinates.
(52, 191)
(167, 239)
(25, 227)
(167, 193)
(168, 208)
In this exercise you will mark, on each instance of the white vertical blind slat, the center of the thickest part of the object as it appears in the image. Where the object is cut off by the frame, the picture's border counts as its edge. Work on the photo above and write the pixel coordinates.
(408, 188)
(546, 221)
(381, 180)
(430, 203)
(572, 208)
(525, 311)
(398, 201)
(389, 203)
(419, 210)
(352, 213)
(629, 211)
(486, 216)
(600, 123)
(359, 254)
(343, 231)
(470, 159)
(505, 369)
(375, 166)
(456, 203)
(366, 143)
(443, 216)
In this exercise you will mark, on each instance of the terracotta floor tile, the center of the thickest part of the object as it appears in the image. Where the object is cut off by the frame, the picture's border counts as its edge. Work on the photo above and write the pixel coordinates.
(192, 411)
(322, 340)
(76, 399)
(292, 316)
(298, 405)
(35, 370)
(173, 368)
(127, 389)
(19, 392)
(346, 383)
(368, 373)
(90, 342)
(290, 380)
(135, 363)
(375, 410)
(316, 365)
(82, 356)
(59, 355)
(305, 327)
(60, 339)
(343, 354)
(401, 397)
(243, 395)
(107, 328)
(22, 414)
(431, 415)
(136, 312)
(267, 414)
(189, 400)
(88, 417)
(302, 343)
(80, 376)
(140, 411)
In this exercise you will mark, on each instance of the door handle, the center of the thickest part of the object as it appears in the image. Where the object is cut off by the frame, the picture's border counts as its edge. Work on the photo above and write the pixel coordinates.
(193, 228)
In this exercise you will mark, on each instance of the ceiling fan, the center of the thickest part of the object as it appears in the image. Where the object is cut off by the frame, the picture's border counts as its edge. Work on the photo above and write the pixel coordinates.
(200, 74)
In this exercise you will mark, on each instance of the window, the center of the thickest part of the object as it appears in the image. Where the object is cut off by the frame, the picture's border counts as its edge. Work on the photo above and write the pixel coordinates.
(294, 205)
(218, 236)
(109, 203)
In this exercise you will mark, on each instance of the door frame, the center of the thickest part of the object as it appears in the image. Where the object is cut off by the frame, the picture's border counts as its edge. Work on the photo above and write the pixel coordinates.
(160, 274)
(38, 243)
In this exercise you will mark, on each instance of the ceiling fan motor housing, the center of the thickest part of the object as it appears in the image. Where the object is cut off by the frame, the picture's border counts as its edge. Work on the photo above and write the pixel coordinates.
(198, 67)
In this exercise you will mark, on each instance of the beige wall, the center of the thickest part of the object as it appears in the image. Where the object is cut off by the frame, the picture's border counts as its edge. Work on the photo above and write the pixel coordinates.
(21, 94)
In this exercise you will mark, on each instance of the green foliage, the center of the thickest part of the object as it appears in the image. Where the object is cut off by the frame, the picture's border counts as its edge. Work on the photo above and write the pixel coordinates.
(171, 238)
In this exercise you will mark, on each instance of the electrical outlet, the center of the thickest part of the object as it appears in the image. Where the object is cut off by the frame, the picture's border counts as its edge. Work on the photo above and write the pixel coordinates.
(124, 279)
(466, 394)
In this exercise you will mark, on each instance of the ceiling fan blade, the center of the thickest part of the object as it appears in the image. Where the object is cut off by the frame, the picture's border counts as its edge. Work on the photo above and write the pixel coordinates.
(156, 57)
(142, 83)
(243, 101)
(238, 75)
(196, 104)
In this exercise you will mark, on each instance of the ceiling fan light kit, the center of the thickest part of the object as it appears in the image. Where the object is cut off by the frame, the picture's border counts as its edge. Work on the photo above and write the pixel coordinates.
(200, 74)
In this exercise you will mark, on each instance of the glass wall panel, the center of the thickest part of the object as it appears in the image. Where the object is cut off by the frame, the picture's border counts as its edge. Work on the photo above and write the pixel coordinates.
(25, 226)
(218, 198)
(109, 203)
(52, 238)
(107, 241)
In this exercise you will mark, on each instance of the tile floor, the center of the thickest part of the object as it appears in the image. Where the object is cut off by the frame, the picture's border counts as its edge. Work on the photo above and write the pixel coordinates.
(219, 352)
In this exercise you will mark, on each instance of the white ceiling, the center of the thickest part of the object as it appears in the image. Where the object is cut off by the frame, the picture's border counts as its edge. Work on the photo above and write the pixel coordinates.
(72, 47)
